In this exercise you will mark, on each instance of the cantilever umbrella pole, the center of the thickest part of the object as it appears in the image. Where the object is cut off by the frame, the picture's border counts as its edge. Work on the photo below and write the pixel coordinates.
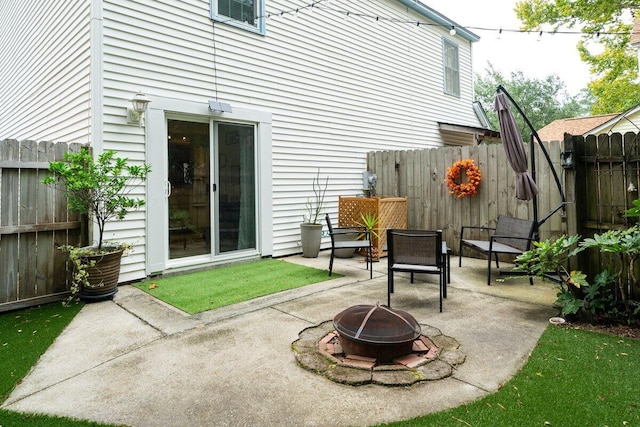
(534, 133)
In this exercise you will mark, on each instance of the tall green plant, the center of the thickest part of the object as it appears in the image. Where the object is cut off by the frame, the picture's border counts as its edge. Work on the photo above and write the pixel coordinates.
(576, 294)
(626, 245)
(551, 257)
(369, 221)
(101, 188)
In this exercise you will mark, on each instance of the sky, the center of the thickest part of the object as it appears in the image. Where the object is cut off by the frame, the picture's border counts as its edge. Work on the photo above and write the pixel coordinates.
(537, 57)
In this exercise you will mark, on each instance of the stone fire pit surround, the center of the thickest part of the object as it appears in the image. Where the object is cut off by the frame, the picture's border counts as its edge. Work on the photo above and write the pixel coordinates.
(317, 349)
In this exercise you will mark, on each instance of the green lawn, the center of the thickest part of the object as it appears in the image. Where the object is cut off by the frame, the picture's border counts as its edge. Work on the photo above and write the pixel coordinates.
(219, 287)
(24, 336)
(572, 379)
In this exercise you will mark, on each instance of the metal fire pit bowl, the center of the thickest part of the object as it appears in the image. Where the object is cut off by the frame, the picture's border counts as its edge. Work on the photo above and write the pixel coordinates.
(376, 331)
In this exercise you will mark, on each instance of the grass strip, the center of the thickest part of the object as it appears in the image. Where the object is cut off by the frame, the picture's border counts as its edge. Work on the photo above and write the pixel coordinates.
(219, 287)
(24, 336)
(573, 378)
(10, 418)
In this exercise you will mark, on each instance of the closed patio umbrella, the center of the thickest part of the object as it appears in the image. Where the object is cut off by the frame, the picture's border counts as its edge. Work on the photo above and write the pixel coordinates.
(526, 188)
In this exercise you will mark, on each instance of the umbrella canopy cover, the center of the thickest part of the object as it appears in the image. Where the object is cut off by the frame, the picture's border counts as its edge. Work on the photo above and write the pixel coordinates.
(526, 188)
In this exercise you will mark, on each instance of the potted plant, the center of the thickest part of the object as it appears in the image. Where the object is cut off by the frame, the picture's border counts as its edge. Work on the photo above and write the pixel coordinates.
(101, 190)
(369, 223)
(311, 229)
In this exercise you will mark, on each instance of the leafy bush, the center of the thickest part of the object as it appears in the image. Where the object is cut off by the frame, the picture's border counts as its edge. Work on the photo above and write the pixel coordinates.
(607, 297)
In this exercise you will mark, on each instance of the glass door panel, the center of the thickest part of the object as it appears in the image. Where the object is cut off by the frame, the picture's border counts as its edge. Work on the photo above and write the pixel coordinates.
(189, 204)
(236, 187)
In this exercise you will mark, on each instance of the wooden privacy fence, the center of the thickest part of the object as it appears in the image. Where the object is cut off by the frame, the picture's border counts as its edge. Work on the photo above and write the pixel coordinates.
(420, 175)
(606, 182)
(34, 222)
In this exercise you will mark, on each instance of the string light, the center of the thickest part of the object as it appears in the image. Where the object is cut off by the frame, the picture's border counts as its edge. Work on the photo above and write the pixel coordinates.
(325, 5)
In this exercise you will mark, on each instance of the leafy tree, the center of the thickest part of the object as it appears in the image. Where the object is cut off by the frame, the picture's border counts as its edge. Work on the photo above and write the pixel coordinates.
(605, 23)
(543, 101)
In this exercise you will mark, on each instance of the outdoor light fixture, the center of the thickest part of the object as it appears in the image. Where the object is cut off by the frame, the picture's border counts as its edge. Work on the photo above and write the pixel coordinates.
(139, 106)
(219, 107)
(566, 159)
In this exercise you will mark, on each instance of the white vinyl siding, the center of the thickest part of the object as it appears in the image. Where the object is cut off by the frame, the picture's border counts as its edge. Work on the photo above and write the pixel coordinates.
(337, 88)
(45, 71)
(451, 67)
(334, 88)
(629, 121)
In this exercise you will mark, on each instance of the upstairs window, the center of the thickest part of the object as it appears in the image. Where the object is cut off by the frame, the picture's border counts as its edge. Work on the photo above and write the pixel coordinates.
(248, 14)
(451, 67)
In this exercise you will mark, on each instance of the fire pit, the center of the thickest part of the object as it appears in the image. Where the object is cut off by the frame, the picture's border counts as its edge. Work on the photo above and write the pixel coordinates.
(376, 331)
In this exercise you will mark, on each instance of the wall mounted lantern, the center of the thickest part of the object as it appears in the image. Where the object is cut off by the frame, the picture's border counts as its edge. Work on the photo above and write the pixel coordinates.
(566, 159)
(139, 106)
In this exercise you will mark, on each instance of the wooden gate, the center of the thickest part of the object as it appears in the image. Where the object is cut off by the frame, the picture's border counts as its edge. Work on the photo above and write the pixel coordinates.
(34, 222)
(607, 179)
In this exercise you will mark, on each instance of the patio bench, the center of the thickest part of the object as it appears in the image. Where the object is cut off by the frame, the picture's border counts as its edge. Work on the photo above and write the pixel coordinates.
(510, 236)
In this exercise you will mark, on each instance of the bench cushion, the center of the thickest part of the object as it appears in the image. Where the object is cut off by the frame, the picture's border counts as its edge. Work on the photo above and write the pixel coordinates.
(483, 245)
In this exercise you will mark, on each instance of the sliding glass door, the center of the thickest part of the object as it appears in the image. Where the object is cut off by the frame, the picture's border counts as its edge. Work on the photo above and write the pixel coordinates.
(211, 165)
(237, 188)
(189, 148)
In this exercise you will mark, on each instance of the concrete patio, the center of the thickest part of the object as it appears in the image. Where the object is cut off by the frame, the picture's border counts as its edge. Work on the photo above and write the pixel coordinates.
(150, 364)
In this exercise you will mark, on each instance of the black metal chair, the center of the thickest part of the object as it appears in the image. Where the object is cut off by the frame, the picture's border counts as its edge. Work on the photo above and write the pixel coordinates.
(415, 251)
(360, 239)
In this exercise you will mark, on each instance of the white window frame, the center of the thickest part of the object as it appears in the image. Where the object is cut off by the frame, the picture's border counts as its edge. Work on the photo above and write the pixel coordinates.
(259, 26)
(450, 87)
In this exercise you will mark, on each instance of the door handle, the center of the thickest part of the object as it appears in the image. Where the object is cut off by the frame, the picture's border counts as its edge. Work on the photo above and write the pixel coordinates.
(167, 188)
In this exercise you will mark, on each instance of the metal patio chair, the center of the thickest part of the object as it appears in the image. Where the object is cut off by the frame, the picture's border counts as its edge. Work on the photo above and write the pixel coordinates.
(415, 251)
(361, 239)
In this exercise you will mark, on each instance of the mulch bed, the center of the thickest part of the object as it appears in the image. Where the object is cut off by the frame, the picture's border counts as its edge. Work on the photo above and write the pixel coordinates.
(621, 330)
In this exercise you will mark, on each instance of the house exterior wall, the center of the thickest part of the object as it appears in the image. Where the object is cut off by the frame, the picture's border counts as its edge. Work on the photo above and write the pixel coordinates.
(335, 89)
(628, 121)
(45, 70)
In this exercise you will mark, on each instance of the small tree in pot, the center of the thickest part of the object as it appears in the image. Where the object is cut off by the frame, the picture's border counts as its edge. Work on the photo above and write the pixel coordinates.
(101, 189)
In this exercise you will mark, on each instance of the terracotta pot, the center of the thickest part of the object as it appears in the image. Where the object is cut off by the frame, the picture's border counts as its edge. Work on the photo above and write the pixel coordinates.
(103, 275)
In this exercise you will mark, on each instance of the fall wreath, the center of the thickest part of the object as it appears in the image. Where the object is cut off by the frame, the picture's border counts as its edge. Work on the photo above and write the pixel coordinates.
(455, 179)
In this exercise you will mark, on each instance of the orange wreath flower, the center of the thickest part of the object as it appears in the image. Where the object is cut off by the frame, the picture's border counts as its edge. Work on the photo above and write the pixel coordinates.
(455, 180)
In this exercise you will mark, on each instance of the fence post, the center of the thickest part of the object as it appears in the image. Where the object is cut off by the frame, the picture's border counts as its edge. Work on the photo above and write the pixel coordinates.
(569, 145)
